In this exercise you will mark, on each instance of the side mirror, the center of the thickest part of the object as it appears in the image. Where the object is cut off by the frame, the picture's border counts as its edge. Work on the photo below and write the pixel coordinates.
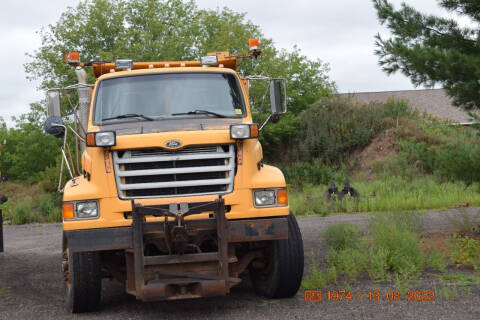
(278, 100)
(53, 104)
(54, 124)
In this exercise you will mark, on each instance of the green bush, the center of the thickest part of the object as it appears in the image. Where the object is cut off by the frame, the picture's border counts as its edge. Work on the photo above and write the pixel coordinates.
(391, 251)
(49, 206)
(349, 261)
(342, 236)
(333, 128)
(438, 148)
(394, 238)
(23, 212)
(315, 172)
(465, 250)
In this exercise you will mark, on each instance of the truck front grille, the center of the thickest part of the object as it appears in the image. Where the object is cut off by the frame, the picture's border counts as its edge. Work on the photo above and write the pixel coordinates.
(148, 173)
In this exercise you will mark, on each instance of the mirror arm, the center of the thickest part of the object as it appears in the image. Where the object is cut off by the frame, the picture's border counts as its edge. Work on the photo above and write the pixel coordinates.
(265, 122)
(66, 162)
(63, 152)
(69, 127)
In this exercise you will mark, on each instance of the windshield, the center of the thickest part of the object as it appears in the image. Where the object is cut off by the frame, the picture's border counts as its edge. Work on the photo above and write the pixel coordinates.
(168, 95)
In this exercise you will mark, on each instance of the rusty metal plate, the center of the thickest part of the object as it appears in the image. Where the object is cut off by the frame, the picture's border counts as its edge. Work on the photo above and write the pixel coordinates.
(257, 230)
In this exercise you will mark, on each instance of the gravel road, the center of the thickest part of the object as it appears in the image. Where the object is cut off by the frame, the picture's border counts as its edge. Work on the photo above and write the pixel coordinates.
(31, 285)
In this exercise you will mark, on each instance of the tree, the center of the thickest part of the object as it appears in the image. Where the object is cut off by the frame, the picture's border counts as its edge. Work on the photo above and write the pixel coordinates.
(152, 30)
(434, 50)
(26, 150)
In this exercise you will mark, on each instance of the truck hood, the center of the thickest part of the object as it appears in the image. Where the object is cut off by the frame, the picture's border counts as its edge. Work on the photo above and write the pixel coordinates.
(169, 125)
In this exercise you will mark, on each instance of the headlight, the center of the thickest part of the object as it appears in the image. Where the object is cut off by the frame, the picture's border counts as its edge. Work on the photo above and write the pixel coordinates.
(270, 197)
(264, 198)
(243, 131)
(86, 209)
(101, 139)
(105, 139)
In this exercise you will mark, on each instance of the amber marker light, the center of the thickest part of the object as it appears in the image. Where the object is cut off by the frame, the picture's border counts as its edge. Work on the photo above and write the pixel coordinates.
(282, 198)
(68, 211)
(91, 139)
(253, 130)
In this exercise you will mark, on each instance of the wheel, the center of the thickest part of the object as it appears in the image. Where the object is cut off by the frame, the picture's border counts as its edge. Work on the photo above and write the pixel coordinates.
(282, 271)
(83, 280)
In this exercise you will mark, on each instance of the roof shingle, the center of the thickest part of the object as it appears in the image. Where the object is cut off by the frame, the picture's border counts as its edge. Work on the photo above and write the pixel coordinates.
(435, 102)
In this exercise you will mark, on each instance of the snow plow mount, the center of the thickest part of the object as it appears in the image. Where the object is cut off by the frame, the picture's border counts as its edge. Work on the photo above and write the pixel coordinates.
(196, 278)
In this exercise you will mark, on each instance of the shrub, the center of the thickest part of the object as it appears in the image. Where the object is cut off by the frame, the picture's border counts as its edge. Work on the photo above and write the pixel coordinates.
(440, 149)
(342, 236)
(315, 172)
(23, 212)
(393, 236)
(333, 128)
(49, 206)
(465, 250)
(349, 261)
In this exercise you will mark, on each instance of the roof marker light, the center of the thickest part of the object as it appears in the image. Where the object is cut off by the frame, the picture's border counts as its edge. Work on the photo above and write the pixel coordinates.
(124, 64)
(209, 60)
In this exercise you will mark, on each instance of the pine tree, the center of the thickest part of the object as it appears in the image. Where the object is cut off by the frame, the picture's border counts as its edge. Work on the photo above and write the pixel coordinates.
(434, 50)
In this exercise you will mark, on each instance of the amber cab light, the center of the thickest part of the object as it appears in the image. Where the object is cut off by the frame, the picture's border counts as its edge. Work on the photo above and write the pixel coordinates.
(74, 56)
(254, 44)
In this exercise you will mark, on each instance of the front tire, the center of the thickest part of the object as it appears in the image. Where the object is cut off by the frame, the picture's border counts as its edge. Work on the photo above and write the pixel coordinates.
(83, 280)
(282, 273)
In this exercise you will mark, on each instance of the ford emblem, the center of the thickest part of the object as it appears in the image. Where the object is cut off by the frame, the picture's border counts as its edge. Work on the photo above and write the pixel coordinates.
(173, 144)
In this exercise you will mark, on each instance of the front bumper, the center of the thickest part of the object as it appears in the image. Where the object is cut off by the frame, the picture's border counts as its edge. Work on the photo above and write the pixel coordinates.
(121, 238)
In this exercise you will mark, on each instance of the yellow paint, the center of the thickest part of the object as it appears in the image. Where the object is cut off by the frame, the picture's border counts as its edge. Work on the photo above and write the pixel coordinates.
(102, 185)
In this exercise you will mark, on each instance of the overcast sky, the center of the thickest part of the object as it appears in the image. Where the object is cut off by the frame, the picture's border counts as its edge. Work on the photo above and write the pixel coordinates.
(339, 32)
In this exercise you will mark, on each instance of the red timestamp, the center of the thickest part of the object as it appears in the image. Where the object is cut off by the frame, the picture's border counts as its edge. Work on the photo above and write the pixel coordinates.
(371, 295)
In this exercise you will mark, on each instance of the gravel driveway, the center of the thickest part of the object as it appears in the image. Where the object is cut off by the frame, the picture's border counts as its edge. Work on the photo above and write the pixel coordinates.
(31, 285)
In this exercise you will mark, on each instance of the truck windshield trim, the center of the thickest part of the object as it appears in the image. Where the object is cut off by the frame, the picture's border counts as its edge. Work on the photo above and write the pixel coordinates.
(166, 95)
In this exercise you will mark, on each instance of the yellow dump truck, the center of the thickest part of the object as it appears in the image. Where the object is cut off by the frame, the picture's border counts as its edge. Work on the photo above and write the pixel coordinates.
(173, 197)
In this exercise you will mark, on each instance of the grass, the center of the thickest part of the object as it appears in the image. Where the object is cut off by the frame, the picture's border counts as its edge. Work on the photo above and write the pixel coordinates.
(27, 203)
(390, 250)
(391, 193)
(460, 279)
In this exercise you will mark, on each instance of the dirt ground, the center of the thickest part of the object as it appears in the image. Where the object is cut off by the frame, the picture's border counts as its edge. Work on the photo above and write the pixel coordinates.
(31, 285)
(380, 149)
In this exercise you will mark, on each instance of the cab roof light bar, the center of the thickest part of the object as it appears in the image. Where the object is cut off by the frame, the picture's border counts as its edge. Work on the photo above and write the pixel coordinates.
(101, 67)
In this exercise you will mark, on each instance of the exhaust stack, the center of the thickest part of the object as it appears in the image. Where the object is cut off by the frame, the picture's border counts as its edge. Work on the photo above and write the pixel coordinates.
(84, 96)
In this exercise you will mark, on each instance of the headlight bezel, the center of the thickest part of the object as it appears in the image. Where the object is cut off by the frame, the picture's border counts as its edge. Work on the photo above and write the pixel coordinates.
(93, 139)
(76, 215)
(250, 131)
(276, 197)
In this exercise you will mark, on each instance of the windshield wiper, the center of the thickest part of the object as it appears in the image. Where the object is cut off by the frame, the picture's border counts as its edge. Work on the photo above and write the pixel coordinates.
(200, 112)
(129, 115)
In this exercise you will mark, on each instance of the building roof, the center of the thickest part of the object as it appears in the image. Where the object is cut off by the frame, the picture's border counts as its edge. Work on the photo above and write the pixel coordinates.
(435, 102)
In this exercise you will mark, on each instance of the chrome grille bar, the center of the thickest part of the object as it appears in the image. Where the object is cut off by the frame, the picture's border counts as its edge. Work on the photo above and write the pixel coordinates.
(154, 172)
(195, 170)
(192, 183)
